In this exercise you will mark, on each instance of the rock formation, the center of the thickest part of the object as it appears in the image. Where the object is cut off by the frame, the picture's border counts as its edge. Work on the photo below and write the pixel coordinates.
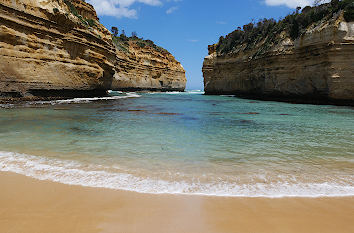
(147, 68)
(48, 49)
(58, 48)
(317, 67)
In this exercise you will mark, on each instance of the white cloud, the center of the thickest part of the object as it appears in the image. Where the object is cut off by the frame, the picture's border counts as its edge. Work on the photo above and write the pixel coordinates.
(290, 3)
(171, 10)
(120, 8)
(193, 40)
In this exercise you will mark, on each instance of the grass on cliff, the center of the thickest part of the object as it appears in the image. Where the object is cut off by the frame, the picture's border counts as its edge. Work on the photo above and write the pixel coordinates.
(267, 31)
(122, 43)
(86, 22)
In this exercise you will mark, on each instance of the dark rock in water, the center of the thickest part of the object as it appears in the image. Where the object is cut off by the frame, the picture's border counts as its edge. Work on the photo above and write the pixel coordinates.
(83, 131)
(246, 121)
(251, 113)
(136, 110)
(168, 113)
(190, 118)
(61, 109)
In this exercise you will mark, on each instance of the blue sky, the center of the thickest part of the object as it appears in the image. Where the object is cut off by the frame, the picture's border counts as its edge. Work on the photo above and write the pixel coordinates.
(186, 27)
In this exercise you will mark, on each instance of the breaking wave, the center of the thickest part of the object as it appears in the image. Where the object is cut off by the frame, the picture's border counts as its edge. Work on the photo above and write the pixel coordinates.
(75, 173)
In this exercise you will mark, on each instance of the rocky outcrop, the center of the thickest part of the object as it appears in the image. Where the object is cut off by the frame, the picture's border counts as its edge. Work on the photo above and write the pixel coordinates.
(53, 48)
(58, 48)
(318, 67)
(146, 68)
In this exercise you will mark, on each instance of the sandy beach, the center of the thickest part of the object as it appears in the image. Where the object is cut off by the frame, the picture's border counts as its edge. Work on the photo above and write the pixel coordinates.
(29, 205)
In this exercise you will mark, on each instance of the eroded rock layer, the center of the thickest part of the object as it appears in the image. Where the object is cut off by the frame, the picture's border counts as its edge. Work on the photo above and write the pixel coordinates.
(58, 48)
(318, 67)
(46, 50)
(147, 69)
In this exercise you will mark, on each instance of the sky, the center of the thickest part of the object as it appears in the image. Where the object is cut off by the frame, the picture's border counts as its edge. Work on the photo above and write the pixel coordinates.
(186, 27)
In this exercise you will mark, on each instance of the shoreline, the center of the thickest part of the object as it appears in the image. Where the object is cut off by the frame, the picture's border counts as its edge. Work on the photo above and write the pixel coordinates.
(26, 163)
(306, 100)
(30, 205)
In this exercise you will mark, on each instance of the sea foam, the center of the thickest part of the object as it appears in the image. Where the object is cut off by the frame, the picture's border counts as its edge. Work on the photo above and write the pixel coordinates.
(75, 173)
(188, 92)
(87, 100)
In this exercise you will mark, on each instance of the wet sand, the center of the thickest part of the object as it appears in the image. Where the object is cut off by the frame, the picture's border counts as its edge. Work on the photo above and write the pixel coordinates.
(32, 206)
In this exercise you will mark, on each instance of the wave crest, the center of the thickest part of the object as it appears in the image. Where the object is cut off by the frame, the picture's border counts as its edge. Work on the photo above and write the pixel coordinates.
(75, 173)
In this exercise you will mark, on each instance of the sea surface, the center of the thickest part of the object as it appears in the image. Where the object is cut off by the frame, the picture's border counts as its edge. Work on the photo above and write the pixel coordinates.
(183, 143)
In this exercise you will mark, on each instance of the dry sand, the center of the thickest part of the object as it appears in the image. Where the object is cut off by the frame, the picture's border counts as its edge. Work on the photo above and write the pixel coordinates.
(28, 205)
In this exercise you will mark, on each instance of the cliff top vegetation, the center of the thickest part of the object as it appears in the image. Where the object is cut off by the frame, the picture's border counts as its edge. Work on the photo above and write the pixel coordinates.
(84, 21)
(122, 42)
(267, 31)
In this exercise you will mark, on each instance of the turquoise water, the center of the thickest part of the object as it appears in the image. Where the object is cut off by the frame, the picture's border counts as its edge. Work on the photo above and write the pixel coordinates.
(184, 143)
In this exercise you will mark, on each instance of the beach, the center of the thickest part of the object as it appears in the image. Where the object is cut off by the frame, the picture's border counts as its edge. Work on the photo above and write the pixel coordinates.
(171, 116)
(29, 205)
(207, 164)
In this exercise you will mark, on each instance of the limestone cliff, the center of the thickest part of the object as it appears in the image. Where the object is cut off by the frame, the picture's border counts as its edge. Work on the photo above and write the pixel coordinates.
(145, 66)
(58, 48)
(53, 48)
(316, 67)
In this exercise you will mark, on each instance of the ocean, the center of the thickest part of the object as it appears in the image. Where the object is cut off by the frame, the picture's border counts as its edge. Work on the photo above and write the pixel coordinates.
(183, 143)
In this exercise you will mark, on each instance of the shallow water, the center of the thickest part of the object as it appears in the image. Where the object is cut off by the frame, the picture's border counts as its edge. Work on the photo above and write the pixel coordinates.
(184, 143)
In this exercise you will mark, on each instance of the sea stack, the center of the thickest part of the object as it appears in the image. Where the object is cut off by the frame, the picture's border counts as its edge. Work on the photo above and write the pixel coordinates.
(307, 57)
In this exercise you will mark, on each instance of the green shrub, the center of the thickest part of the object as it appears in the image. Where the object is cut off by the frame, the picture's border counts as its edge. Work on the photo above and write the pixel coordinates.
(294, 25)
(71, 7)
(349, 12)
(141, 44)
(73, 10)
(91, 22)
(122, 43)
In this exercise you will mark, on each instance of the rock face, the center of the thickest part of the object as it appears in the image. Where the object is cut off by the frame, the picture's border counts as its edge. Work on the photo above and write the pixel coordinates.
(318, 67)
(147, 69)
(45, 50)
(58, 48)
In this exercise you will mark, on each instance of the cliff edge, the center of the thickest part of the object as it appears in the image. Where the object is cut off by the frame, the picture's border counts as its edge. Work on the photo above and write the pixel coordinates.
(58, 48)
(142, 65)
(306, 58)
(53, 48)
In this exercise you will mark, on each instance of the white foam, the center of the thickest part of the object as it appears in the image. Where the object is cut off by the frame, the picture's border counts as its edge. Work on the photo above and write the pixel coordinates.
(113, 92)
(199, 92)
(132, 95)
(173, 92)
(6, 105)
(75, 173)
(196, 92)
(187, 92)
(87, 100)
